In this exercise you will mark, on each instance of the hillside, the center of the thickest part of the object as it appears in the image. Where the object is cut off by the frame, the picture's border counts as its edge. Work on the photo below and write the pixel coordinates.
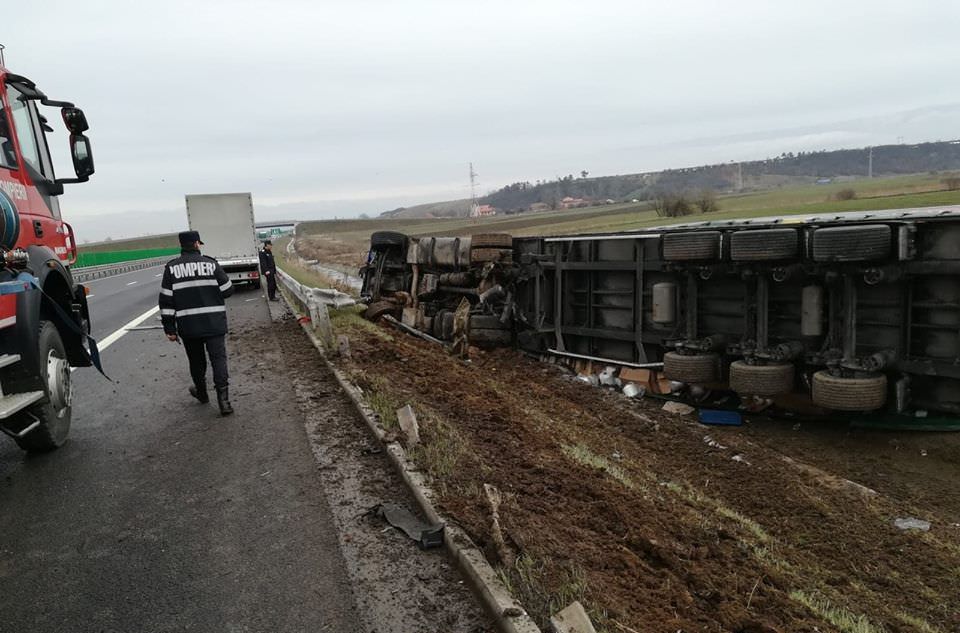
(447, 209)
(786, 170)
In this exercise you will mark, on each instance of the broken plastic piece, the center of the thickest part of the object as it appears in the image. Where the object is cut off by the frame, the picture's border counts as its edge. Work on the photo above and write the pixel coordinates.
(427, 536)
(720, 417)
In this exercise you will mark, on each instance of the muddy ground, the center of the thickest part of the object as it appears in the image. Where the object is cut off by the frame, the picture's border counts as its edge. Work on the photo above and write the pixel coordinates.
(660, 524)
(398, 587)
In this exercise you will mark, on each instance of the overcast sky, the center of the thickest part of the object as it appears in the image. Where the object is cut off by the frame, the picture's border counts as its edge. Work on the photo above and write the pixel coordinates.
(324, 108)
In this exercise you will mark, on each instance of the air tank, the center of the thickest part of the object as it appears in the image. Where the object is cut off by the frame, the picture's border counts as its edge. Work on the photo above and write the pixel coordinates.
(811, 311)
(665, 302)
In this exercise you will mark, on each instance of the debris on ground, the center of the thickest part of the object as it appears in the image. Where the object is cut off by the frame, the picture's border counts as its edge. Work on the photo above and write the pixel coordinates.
(407, 420)
(678, 408)
(494, 500)
(573, 619)
(910, 523)
(719, 417)
(425, 534)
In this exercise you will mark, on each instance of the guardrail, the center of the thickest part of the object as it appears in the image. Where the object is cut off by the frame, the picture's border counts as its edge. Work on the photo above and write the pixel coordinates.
(314, 302)
(96, 272)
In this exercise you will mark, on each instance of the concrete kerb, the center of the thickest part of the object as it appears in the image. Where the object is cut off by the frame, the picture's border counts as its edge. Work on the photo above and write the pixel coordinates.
(509, 615)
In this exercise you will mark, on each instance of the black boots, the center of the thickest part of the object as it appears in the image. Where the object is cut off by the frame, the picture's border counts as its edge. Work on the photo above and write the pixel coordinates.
(223, 399)
(200, 393)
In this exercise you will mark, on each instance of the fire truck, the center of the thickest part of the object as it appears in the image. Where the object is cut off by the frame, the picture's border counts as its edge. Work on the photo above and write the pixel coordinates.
(44, 318)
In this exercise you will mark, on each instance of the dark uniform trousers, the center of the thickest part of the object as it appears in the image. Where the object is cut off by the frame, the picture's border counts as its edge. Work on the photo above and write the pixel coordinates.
(272, 285)
(216, 348)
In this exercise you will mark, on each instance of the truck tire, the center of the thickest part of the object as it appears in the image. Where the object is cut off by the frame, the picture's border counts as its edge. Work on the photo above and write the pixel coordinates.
(377, 309)
(436, 326)
(484, 255)
(764, 245)
(483, 337)
(382, 239)
(54, 415)
(256, 283)
(761, 380)
(491, 240)
(849, 394)
(693, 246)
(486, 322)
(852, 243)
(692, 368)
(446, 325)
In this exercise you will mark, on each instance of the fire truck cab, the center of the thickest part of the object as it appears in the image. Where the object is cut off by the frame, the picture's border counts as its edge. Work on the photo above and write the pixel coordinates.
(44, 318)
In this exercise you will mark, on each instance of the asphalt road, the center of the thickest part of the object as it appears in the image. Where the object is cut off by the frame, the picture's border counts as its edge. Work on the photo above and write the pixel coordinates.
(158, 515)
(115, 301)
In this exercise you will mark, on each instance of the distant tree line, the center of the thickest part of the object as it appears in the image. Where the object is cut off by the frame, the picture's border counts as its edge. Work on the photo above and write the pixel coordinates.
(672, 183)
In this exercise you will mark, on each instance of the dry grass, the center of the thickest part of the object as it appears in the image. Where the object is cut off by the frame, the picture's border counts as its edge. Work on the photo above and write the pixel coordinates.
(845, 620)
(583, 455)
(441, 448)
(544, 589)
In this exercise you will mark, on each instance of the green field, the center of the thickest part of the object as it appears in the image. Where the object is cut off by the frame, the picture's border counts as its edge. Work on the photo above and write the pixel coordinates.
(168, 240)
(871, 194)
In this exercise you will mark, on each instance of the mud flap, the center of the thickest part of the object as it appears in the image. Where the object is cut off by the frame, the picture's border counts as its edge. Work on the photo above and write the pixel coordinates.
(62, 318)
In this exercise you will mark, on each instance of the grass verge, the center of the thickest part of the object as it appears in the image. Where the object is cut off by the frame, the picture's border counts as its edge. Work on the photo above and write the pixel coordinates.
(843, 619)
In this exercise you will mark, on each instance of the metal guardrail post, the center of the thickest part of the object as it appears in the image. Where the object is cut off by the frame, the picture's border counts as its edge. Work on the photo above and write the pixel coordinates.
(314, 302)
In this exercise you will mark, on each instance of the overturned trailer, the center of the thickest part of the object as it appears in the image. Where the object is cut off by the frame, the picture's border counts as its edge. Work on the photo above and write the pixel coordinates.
(850, 313)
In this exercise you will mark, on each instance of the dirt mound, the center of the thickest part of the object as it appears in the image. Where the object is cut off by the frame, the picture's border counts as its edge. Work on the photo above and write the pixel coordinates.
(658, 523)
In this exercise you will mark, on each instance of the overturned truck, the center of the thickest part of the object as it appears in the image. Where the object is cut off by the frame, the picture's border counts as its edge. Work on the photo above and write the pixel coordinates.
(854, 313)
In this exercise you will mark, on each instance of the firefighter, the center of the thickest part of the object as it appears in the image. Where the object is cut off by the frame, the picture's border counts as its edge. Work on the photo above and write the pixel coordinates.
(192, 310)
(269, 269)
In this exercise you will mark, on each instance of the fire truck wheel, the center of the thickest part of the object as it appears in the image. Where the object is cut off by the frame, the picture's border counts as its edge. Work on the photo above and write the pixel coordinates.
(849, 394)
(693, 246)
(761, 380)
(483, 255)
(852, 243)
(377, 309)
(692, 368)
(53, 416)
(387, 238)
(491, 240)
(764, 245)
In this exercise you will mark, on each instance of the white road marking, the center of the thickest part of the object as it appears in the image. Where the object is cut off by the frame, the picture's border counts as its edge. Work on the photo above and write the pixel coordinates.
(91, 296)
(159, 275)
(131, 283)
(113, 338)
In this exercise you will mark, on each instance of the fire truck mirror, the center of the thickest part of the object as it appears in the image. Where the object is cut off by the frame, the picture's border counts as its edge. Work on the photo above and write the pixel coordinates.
(75, 120)
(82, 155)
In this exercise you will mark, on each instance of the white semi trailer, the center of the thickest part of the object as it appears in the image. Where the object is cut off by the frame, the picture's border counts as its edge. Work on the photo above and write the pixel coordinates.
(226, 224)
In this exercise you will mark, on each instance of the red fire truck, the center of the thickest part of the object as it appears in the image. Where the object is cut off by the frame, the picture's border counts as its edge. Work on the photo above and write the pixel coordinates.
(44, 320)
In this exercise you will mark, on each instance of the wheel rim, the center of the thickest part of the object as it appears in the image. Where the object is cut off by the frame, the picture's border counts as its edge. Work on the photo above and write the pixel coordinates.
(59, 385)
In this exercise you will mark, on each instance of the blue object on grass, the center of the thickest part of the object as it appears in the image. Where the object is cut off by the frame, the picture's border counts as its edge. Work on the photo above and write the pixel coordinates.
(720, 417)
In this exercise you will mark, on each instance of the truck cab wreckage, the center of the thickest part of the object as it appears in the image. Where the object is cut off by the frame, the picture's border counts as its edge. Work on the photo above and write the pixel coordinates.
(837, 315)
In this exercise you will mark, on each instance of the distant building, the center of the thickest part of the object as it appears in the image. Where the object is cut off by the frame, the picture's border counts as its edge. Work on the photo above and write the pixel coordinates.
(483, 210)
(539, 206)
(574, 203)
(824, 181)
